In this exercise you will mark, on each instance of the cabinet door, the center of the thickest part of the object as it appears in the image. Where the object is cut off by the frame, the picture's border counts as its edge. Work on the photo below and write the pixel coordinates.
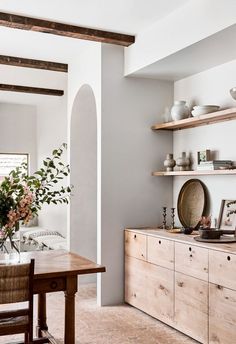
(160, 252)
(150, 288)
(135, 245)
(222, 319)
(191, 307)
(191, 260)
(135, 282)
(160, 293)
(222, 269)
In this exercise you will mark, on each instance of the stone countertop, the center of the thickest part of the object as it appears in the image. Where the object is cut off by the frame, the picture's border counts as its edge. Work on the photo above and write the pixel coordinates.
(185, 239)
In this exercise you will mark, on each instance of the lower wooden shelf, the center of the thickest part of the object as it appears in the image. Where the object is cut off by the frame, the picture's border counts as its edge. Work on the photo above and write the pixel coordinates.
(194, 173)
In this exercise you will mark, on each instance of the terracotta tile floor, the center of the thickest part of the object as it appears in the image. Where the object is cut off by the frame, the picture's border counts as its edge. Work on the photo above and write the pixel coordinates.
(107, 325)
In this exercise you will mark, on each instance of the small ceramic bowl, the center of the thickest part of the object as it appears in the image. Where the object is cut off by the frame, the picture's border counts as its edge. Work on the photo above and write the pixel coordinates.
(233, 92)
(188, 230)
(203, 110)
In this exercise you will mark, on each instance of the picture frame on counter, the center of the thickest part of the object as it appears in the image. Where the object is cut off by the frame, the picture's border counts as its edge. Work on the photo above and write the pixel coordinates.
(227, 215)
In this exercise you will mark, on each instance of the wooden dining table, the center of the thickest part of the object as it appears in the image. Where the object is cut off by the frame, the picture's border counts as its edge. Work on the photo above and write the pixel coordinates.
(58, 270)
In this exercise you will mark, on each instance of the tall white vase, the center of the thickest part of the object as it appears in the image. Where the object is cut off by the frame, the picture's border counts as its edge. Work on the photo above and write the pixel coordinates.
(179, 110)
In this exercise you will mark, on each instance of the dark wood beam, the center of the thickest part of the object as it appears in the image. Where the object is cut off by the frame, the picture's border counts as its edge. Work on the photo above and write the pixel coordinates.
(55, 28)
(29, 63)
(29, 89)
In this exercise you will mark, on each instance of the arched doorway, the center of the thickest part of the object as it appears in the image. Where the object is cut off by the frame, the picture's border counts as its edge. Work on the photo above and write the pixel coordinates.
(83, 162)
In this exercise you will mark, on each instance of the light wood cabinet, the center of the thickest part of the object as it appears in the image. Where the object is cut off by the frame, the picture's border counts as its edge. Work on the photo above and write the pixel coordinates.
(160, 252)
(191, 260)
(186, 284)
(222, 315)
(191, 307)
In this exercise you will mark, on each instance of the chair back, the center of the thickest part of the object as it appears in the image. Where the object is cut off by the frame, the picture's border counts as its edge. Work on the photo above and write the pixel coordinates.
(16, 282)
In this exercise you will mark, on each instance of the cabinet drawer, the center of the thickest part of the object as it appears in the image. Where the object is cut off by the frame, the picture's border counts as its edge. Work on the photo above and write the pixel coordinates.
(222, 269)
(191, 307)
(222, 318)
(160, 252)
(191, 260)
(135, 245)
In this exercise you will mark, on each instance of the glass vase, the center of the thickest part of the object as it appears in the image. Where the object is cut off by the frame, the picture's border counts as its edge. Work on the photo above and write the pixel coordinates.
(10, 250)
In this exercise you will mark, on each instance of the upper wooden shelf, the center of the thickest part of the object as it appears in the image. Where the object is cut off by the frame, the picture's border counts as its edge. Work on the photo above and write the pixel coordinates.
(194, 173)
(210, 118)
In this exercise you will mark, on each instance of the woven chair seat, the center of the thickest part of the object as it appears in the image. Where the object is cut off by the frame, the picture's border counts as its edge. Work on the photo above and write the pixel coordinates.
(22, 320)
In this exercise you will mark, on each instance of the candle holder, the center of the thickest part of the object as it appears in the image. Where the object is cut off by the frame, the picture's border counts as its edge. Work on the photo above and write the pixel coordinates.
(164, 218)
(172, 218)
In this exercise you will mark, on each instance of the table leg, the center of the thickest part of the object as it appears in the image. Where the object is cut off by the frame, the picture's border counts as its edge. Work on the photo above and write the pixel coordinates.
(71, 289)
(42, 317)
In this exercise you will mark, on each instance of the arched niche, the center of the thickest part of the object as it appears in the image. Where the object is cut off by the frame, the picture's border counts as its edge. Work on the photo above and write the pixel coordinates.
(83, 162)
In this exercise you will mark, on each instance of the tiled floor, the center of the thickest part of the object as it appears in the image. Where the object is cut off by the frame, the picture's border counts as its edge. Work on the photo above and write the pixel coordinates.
(108, 325)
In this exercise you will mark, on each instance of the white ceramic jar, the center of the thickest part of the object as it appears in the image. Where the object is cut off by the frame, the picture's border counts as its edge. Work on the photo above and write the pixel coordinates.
(179, 110)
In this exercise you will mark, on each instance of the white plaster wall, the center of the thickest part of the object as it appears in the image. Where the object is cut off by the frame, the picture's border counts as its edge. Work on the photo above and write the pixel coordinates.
(209, 87)
(18, 131)
(51, 133)
(83, 163)
(190, 23)
(130, 152)
(85, 68)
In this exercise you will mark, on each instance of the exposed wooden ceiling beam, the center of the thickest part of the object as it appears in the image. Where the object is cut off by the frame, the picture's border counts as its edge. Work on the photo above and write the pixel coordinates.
(29, 89)
(40, 25)
(29, 63)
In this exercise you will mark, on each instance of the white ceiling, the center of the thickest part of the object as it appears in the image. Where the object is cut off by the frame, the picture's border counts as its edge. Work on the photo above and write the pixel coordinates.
(125, 16)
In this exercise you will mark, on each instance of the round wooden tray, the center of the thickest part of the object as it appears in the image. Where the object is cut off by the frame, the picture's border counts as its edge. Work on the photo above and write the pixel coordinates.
(223, 239)
(192, 203)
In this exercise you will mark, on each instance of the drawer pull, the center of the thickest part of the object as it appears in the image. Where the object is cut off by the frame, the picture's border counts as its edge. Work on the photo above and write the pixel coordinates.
(160, 242)
(190, 249)
(135, 236)
(228, 258)
(191, 256)
(53, 285)
(180, 284)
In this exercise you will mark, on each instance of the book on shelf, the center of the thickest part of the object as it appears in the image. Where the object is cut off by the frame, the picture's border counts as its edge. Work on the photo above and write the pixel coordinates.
(213, 167)
(216, 162)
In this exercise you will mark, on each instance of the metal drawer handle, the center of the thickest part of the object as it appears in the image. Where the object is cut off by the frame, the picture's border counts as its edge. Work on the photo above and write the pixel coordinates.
(159, 241)
(228, 258)
(190, 249)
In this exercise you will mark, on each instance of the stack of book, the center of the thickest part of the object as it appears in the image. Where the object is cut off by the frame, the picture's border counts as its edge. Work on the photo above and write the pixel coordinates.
(214, 165)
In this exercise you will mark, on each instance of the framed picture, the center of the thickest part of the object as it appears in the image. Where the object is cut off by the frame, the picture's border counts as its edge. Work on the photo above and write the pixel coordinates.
(204, 155)
(9, 161)
(227, 216)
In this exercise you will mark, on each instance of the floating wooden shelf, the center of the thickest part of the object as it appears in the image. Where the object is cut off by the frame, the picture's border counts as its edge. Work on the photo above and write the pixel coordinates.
(194, 173)
(210, 118)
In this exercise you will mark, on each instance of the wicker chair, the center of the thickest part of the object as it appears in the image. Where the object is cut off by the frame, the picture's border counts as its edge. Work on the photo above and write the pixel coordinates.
(16, 285)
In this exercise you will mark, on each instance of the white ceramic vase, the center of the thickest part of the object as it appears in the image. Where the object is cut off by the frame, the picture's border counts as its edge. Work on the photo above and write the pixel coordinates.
(179, 110)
